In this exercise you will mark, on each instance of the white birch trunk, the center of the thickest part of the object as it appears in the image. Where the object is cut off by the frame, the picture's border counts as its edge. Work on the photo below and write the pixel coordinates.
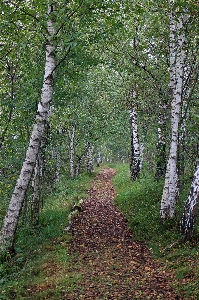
(10, 223)
(188, 218)
(72, 151)
(135, 163)
(177, 58)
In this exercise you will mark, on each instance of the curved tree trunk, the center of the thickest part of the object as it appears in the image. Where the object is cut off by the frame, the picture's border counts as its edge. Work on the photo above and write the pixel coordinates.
(10, 223)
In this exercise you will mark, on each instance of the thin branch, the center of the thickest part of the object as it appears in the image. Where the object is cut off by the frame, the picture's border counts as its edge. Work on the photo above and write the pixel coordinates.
(69, 49)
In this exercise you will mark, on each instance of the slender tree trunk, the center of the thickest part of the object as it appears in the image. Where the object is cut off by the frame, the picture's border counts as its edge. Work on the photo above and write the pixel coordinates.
(99, 159)
(188, 217)
(78, 164)
(72, 151)
(90, 150)
(135, 163)
(56, 167)
(35, 197)
(10, 223)
(182, 149)
(161, 144)
(177, 58)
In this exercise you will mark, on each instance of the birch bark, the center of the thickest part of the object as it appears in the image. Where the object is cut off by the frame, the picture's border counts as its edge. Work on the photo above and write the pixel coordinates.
(8, 232)
(135, 163)
(188, 217)
(177, 58)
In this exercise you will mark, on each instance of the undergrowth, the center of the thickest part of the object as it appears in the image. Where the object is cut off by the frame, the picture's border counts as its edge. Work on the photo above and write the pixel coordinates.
(140, 203)
(41, 267)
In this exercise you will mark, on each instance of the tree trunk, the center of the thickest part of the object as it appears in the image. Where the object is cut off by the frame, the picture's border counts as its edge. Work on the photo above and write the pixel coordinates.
(90, 167)
(135, 163)
(56, 167)
(177, 58)
(10, 223)
(161, 144)
(99, 159)
(72, 151)
(78, 164)
(182, 149)
(35, 197)
(188, 217)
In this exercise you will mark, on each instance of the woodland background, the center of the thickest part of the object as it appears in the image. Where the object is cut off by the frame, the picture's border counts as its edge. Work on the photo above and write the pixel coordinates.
(124, 88)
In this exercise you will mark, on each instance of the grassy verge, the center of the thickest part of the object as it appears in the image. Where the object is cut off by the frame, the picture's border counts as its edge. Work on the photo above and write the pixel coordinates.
(42, 267)
(140, 203)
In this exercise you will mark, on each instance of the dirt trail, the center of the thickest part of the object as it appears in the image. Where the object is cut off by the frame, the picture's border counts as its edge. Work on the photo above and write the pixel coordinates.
(113, 266)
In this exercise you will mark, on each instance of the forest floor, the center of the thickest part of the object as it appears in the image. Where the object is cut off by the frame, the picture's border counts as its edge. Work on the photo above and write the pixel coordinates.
(112, 265)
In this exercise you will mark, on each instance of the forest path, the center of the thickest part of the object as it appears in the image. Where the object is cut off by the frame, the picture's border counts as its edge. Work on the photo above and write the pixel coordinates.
(113, 266)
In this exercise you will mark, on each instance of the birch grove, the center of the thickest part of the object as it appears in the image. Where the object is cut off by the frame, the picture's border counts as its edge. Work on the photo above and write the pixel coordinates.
(8, 232)
(91, 90)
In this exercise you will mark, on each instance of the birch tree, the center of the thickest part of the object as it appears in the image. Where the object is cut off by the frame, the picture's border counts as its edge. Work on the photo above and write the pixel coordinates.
(189, 214)
(8, 232)
(177, 59)
(135, 164)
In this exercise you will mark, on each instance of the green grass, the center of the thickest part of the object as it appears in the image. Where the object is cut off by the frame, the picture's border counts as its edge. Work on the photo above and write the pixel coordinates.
(140, 203)
(41, 267)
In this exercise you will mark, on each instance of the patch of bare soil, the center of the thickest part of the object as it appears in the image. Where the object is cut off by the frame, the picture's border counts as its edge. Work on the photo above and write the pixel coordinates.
(113, 266)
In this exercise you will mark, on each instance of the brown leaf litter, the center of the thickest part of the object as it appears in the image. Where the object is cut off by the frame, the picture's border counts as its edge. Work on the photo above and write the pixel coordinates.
(113, 265)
